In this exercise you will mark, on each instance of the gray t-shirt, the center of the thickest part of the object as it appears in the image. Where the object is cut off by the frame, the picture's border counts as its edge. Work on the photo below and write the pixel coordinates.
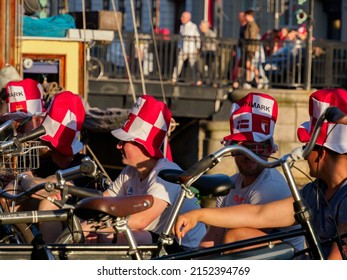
(269, 186)
(128, 183)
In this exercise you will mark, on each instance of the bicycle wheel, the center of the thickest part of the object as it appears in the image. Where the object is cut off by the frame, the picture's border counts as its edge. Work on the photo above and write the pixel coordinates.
(95, 68)
(16, 234)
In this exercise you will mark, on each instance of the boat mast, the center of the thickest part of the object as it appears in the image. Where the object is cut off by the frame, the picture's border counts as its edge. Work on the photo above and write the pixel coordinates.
(8, 27)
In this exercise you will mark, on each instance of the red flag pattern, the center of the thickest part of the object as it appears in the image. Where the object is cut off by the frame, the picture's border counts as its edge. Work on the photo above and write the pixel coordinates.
(25, 96)
(253, 118)
(147, 124)
(63, 123)
(332, 136)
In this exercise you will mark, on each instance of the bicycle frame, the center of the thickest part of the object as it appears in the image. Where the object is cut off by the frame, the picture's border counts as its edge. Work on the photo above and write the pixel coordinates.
(207, 185)
(302, 212)
(86, 168)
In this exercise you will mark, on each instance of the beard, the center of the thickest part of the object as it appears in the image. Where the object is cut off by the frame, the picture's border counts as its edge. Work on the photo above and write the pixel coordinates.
(251, 172)
(248, 168)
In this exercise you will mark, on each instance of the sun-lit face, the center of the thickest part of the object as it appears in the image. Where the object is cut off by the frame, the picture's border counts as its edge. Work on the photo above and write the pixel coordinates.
(204, 27)
(313, 161)
(284, 32)
(248, 167)
(185, 18)
(132, 153)
(249, 18)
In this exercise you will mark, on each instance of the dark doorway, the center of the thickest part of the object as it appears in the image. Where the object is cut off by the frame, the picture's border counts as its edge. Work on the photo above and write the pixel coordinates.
(180, 7)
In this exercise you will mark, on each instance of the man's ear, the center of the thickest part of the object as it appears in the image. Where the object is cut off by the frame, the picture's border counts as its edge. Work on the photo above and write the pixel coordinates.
(321, 154)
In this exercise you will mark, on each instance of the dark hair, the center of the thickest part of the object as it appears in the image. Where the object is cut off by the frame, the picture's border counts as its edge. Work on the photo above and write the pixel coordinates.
(250, 12)
(319, 149)
(332, 152)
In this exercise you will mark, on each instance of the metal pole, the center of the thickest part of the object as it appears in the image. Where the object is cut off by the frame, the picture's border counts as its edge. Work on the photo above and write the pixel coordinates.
(276, 14)
(206, 10)
(221, 18)
(7, 33)
(308, 61)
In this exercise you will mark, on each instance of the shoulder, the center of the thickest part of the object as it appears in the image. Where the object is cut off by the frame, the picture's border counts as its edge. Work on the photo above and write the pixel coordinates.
(211, 34)
(160, 188)
(341, 196)
(164, 163)
(127, 172)
(273, 175)
(272, 183)
(192, 25)
(235, 178)
(312, 187)
(253, 25)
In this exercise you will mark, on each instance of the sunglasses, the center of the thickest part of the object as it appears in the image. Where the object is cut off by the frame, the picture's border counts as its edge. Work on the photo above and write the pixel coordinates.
(256, 148)
(121, 143)
(315, 148)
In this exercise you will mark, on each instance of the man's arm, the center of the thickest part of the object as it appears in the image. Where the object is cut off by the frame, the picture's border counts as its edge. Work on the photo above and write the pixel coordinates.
(275, 214)
(197, 38)
(142, 219)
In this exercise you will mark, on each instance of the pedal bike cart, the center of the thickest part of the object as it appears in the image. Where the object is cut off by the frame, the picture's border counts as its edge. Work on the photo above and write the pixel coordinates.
(187, 179)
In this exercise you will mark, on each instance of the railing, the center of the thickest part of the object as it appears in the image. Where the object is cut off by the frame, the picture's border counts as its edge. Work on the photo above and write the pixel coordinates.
(284, 68)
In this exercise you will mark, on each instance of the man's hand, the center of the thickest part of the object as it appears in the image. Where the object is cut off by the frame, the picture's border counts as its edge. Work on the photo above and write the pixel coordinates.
(185, 223)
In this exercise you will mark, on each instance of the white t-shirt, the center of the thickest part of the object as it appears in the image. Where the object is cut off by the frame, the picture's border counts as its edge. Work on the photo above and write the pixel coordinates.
(128, 183)
(269, 186)
(189, 41)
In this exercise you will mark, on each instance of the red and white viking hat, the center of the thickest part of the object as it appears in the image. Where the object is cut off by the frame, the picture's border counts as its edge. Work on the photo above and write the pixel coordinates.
(147, 124)
(63, 123)
(332, 136)
(253, 118)
(24, 98)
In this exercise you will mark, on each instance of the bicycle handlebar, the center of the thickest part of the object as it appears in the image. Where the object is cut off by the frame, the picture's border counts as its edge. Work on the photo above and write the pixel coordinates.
(30, 191)
(331, 114)
(6, 125)
(86, 168)
(30, 135)
(83, 192)
(50, 186)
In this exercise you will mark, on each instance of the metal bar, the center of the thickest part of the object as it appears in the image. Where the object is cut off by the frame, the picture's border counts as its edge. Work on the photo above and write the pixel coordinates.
(308, 61)
(198, 253)
(34, 216)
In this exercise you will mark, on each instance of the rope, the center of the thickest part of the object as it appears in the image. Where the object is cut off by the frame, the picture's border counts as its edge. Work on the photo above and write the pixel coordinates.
(173, 123)
(86, 52)
(123, 51)
(137, 46)
(156, 53)
(98, 162)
